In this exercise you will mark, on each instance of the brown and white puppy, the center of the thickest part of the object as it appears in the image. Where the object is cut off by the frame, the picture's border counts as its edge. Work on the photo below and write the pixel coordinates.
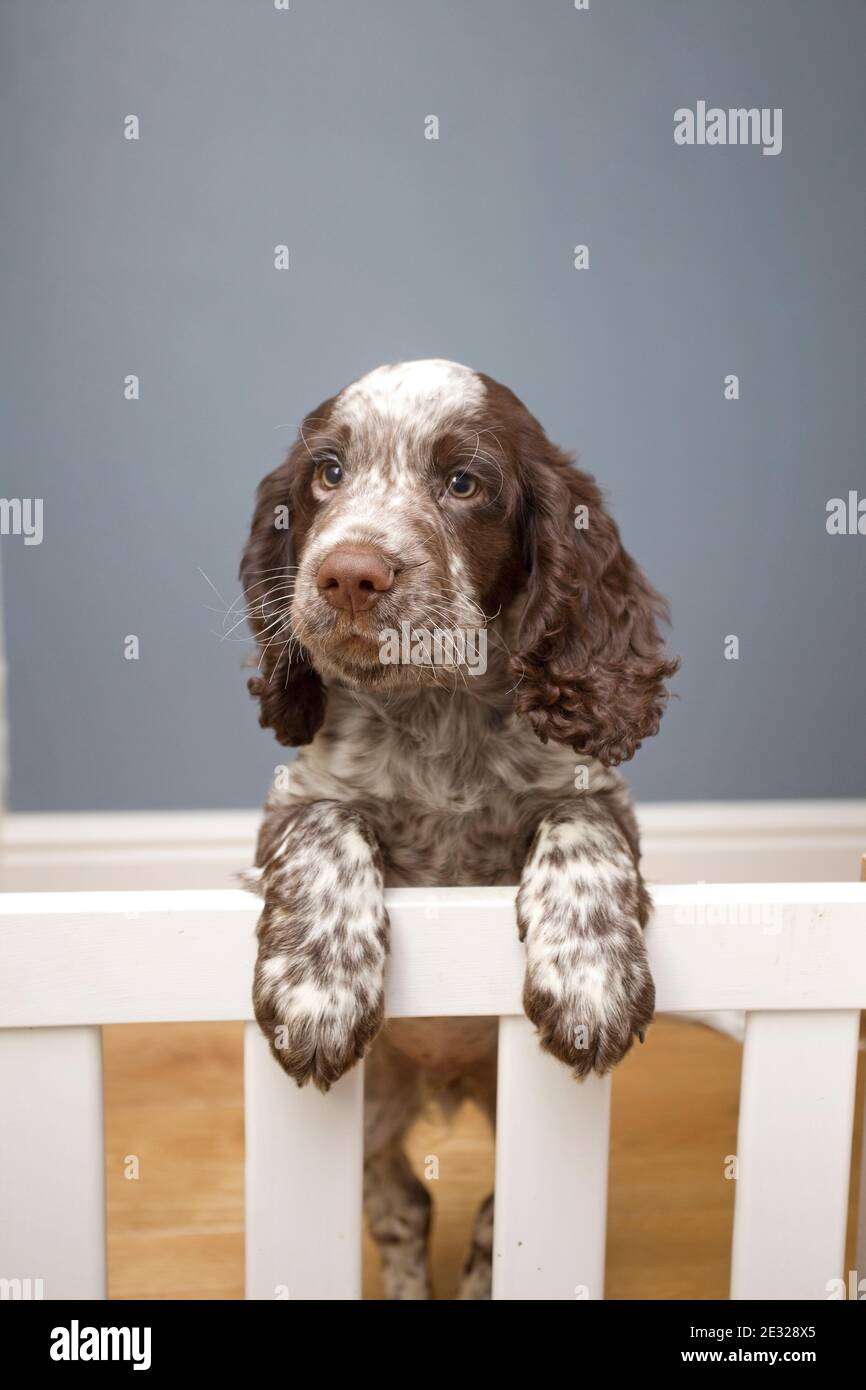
(424, 497)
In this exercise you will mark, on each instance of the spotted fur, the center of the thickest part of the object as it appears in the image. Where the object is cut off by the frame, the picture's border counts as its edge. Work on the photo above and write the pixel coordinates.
(420, 776)
(581, 909)
(318, 989)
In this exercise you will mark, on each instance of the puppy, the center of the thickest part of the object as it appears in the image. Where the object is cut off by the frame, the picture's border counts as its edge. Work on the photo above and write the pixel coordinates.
(424, 499)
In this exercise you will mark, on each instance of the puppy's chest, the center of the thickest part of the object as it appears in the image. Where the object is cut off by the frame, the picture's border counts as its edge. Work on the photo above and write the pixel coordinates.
(453, 819)
(429, 848)
(448, 806)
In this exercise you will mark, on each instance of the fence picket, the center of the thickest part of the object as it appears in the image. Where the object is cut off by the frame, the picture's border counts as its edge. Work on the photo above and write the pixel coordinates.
(304, 1171)
(551, 1174)
(52, 1169)
(794, 1153)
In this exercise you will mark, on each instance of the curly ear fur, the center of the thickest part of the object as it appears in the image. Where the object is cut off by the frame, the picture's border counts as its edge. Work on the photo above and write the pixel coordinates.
(589, 653)
(289, 691)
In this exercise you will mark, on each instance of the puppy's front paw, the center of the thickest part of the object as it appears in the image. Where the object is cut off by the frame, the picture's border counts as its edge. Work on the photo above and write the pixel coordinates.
(588, 993)
(320, 1004)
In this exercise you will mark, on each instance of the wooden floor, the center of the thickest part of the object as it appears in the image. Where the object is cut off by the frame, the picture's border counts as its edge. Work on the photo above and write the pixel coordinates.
(174, 1103)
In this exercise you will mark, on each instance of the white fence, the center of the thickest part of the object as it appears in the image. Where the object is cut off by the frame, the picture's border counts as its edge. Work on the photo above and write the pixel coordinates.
(792, 955)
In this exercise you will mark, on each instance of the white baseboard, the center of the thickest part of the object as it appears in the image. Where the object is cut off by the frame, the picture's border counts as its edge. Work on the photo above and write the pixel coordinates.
(753, 841)
(683, 842)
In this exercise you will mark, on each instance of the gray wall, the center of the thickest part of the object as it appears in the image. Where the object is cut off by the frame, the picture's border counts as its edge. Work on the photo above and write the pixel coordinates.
(259, 127)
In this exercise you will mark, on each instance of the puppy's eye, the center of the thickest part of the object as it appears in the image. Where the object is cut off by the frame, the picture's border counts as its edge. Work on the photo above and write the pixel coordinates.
(331, 474)
(462, 485)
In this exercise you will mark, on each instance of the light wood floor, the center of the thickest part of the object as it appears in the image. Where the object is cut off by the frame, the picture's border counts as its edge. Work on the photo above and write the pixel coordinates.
(174, 1101)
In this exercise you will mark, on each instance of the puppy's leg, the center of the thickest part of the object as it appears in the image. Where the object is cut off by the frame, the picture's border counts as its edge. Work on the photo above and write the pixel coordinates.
(396, 1202)
(581, 910)
(323, 936)
(398, 1212)
(477, 1278)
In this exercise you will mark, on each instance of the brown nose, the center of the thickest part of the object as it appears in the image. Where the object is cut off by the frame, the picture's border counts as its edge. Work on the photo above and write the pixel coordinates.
(354, 577)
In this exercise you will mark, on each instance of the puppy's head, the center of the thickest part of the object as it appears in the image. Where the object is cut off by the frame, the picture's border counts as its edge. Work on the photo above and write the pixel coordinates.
(424, 498)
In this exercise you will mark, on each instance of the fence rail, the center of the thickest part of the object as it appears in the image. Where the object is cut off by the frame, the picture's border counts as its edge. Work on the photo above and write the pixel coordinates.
(792, 955)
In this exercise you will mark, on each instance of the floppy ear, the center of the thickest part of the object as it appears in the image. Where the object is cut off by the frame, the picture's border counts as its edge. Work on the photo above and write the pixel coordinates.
(289, 690)
(589, 652)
